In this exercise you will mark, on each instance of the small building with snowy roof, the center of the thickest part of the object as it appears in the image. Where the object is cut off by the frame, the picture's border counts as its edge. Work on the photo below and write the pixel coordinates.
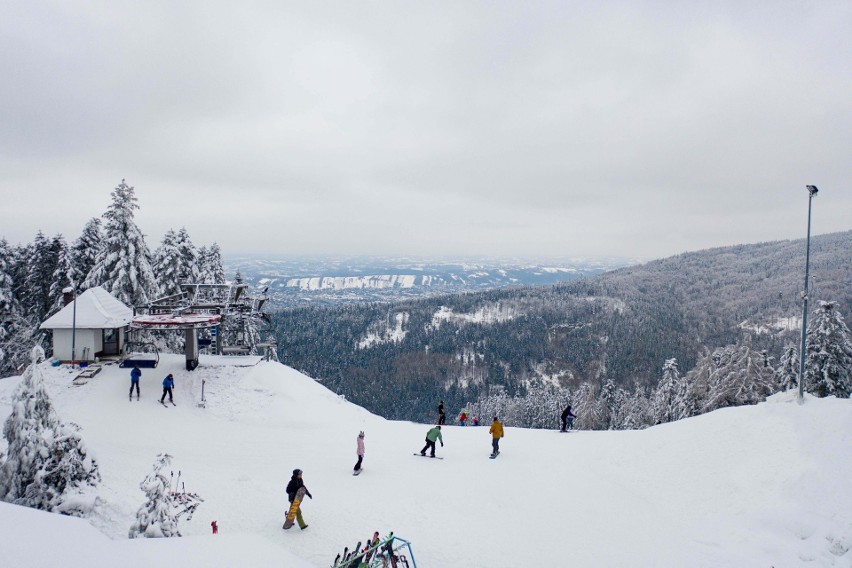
(97, 327)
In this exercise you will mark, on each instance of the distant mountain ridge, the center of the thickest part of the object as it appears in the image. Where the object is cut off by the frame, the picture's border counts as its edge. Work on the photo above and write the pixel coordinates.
(298, 282)
(397, 359)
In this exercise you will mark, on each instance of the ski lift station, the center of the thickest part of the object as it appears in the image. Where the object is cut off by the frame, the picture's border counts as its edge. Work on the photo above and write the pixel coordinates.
(216, 317)
(207, 315)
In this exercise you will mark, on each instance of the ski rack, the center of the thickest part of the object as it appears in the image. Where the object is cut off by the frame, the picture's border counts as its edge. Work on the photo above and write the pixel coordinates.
(382, 555)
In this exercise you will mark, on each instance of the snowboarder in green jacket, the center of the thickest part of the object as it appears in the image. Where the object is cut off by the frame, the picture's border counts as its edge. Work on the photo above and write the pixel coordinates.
(431, 436)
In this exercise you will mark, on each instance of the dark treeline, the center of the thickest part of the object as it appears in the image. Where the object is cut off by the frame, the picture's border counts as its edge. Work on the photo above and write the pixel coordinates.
(619, 328)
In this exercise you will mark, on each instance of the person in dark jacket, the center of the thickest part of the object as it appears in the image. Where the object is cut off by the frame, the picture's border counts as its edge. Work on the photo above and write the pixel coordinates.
(295, 484)
(568, 419)
(135, 375)
(168, 385)
(442, 417)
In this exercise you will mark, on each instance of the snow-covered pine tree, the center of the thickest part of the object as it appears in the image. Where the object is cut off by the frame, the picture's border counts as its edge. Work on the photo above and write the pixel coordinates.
(7, 299)
(84, 251)
(18, 268)
(214, 264)
(157, 517)
(739, 376)
(204, 276)
(608, 404)
(123, 265)
(829, 351)
(587, 409)
(787, 372)
(495, 404)
(29, 432)
(40, 267)
(691, 395)
(63, 274)
(167, 264)
(664, 405)
(16, 331)
(189, 257)
(620, 407)
(636, 410)
(66, 482)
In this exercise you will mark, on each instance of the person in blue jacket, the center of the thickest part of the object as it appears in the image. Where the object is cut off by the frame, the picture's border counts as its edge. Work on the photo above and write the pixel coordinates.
(168, 385)
(135, 375)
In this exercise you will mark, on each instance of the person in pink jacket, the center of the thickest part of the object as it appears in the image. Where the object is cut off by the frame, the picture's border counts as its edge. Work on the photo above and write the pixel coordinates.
(360, 451)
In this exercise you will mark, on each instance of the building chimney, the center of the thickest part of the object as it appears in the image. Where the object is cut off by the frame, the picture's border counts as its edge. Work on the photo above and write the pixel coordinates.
(67, 295)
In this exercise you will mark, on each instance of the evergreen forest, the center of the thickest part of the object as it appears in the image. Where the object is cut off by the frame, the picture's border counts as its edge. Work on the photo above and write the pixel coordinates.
(605, 336)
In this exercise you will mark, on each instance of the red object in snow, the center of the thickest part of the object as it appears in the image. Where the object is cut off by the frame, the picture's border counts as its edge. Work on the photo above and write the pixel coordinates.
(215, 527)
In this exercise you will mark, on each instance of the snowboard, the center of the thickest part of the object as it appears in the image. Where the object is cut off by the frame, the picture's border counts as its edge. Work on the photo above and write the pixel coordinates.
(436, 457)
(494, 456)
(291, 514)
(357, 471)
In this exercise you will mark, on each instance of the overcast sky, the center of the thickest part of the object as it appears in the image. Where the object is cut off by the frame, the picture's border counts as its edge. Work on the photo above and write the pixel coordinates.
(537, 129)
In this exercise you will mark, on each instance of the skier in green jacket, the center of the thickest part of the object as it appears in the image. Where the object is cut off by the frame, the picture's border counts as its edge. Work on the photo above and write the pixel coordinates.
(431, 436)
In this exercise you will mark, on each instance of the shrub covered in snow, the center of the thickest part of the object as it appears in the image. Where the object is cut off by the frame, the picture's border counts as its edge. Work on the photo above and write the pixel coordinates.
(47, 465)
(158, 517)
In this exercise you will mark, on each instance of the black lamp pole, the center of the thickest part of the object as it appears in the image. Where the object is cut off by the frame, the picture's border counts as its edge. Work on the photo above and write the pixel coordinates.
(803, 355)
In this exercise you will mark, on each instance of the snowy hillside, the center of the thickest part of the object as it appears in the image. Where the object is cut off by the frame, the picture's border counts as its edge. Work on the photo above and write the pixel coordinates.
(756, 486)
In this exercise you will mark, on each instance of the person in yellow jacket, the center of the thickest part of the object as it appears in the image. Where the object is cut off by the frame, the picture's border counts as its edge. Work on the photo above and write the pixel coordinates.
(496, 432)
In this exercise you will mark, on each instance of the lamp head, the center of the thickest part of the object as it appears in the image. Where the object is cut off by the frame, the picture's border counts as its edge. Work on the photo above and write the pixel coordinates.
(812, 189)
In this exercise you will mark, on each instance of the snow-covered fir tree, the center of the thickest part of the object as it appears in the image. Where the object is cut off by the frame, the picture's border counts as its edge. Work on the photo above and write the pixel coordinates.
(540, 408)
(691, 396)
(664, 405)
(609, 403)
(189, 257)
(587, 409)
(620, 408)
(636, 410)
(46, 465)
(84, 251)
(829, 354)
(203, 276)
(495, 404)
(210, 265)
(41, 265)
(123, 264)
(156, 518)
(7, 303)
(66, 482)
(63, 274)
(167, 264)
(738, 376)
(787, 371)
(28, 432)
(16, 331)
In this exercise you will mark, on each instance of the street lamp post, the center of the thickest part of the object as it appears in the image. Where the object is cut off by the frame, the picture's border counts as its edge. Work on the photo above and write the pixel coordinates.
(812, 191)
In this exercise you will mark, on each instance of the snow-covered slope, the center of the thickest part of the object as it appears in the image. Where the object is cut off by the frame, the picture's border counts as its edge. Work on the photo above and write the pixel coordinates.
(757, 486)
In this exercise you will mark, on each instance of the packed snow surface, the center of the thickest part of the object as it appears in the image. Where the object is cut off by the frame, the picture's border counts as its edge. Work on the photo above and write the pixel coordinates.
(766, 485)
